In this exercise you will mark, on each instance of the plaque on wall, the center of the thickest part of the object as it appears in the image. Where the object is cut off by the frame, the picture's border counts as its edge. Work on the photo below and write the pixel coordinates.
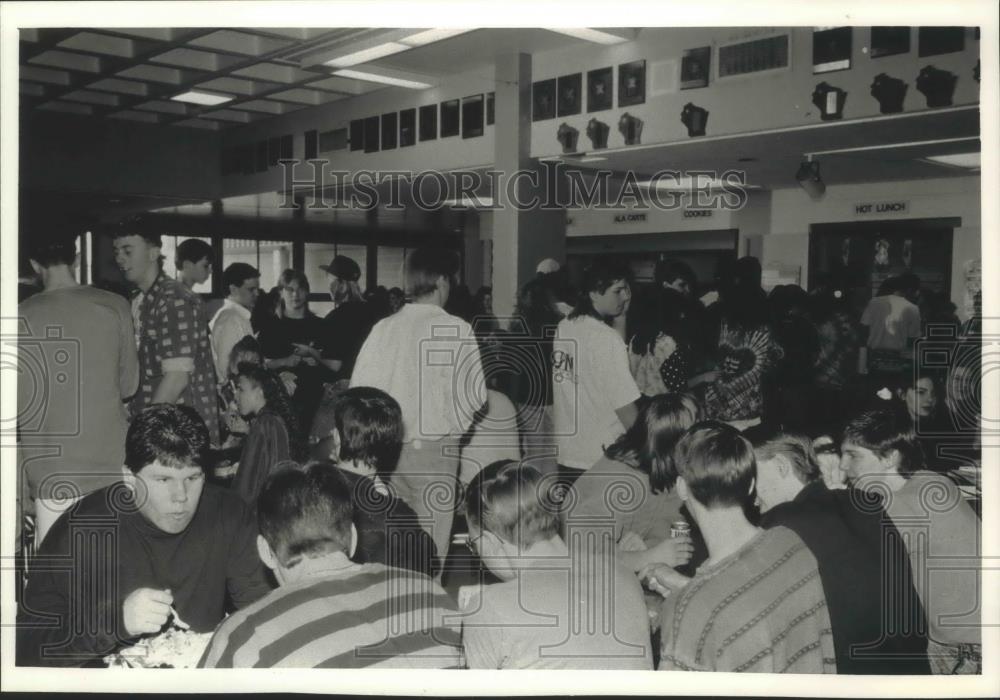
(568, 90)
(491, 99)
(472, 116)
(632, 83)
(428, 122)
(311, 144)
(357, 134)
(889, 41)
(543, 100)
(831, 49)
(600, 87)
(932, 41)
(695, 65)
(333, 140)
(390, 125)
(407, 127)
(450, 116)
(273, 151)
(372, 128)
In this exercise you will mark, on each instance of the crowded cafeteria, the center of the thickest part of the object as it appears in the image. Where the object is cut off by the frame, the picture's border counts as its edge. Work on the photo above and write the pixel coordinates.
(617, 348)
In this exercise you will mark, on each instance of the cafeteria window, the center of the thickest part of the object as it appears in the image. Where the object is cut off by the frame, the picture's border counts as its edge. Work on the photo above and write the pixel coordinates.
(271, 258)
(169, 252)
(389, 260)
(316, 254)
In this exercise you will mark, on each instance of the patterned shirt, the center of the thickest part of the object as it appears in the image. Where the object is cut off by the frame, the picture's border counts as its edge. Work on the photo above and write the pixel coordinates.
(761, 609)
(361, 616)
(746, 358)
(172, 334)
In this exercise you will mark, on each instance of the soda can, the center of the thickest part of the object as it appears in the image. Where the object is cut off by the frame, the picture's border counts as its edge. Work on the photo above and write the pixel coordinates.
(679, 528)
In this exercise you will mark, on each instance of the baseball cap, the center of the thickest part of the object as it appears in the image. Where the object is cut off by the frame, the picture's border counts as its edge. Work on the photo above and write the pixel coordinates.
(343, 268)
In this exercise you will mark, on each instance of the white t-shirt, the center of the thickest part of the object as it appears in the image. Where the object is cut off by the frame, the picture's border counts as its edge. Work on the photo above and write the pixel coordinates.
(428, 360)
(229, 326)
(590, 381)
(892, 321)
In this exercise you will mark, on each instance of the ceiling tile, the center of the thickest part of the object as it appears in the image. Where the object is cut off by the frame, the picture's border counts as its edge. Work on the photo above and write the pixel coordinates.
(132, 115)
(165, 106)
(348, 86)
(158, 74)
(236, 86)
(73, 107)
(229, 115)
(45, 75)
(161, 33)
(266, 106)
(95, 98)
(308, 97)
(33, 89)
(274, 72)
(240, 42)
(69, 61)
(126, 87)
(199, 60)
(101, 43)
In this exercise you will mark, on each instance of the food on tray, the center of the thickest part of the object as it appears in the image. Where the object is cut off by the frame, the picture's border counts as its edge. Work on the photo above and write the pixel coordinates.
(174, 648)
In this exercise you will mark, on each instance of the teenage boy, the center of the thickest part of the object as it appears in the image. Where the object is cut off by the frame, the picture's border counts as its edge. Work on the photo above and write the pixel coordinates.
(194, 260)
(428, 360)
(757, 603)
(175, 355)
(128, 558)
(557, 607)
(328, 611)
(231, 322)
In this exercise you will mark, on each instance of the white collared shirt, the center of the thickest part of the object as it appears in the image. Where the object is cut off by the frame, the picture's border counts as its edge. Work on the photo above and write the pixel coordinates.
(229, 326)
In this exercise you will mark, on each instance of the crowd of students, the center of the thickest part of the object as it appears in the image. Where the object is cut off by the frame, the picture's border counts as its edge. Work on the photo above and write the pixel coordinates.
(728, 481)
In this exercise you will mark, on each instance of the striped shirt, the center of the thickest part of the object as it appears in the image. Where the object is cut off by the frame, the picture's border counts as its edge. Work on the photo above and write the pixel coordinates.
(361, 616)
(761, 609)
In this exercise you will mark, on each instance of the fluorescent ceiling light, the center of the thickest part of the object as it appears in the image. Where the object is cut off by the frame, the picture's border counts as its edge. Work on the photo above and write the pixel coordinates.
(366, 55)
(687, 182)
(202, 98)
(469, 202)
(594, 35)
(970, 161)
(384, 79)
(431, 35)
(590, 159)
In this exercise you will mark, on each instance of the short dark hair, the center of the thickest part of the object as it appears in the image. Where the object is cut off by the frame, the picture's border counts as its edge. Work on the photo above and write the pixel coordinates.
(425, 265)
(193, 250)
(139, 225)
(289, 276)
(51, 248)
(305, 513)
(238, 273)
(908, 283)
(797, 449)
(883, 430)
(597, 277)
(669, 270)
(171, 434)
(510, 499)
(717, 464)
(370, 425)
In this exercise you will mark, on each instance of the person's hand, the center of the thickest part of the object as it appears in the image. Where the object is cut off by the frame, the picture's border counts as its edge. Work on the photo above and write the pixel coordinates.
(293, 360)
(146, 610)
(662, 579)
(674, 551)
(631, 542)
(306, 351)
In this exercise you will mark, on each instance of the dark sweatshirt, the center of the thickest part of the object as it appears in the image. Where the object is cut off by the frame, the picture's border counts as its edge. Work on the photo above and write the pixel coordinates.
(879, 626)
(102, 549)
(388, 530)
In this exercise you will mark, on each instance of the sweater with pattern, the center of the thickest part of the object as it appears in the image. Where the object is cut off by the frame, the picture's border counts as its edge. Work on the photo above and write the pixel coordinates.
(761, 609)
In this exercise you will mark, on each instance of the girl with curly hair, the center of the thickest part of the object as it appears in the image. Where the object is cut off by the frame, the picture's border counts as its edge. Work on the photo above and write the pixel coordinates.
(273, 437)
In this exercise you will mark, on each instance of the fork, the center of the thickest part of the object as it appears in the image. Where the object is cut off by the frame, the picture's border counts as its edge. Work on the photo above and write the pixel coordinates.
(177, 619)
